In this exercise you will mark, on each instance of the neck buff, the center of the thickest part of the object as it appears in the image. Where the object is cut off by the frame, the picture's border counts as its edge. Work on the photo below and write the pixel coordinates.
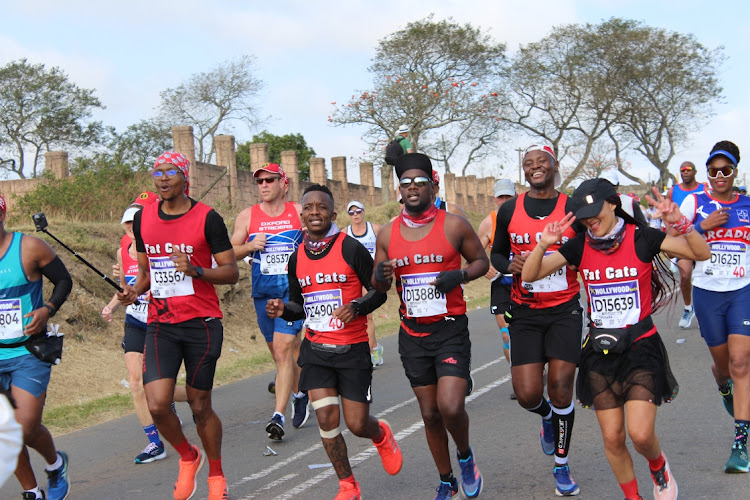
(316, 247)
(610, 242)
(416, 222)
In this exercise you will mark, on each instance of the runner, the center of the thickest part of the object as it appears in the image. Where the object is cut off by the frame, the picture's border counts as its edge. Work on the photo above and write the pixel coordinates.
(677, 194)
(423, 251)
(500, 283)
(183, 250)
(722, 289)
(442, 204)
(135, 332)
(624, 370)
(269, 233)
(23, 261)
(545, 317)
(325, 285)
(366, 233)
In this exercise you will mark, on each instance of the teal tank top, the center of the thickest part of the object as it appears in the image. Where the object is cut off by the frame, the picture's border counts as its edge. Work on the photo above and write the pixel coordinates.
(18, 297)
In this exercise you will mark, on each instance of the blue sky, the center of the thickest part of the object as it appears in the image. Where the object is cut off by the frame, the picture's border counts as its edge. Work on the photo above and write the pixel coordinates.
(311, 53)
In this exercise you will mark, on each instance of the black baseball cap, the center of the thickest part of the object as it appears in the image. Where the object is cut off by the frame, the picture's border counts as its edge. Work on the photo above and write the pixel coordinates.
(590, 196)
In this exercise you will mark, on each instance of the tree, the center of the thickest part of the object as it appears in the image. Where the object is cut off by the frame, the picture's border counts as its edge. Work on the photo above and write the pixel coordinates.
(443, 80)
(210, 101)
(141, 143)
(40, 109)
(277, 144)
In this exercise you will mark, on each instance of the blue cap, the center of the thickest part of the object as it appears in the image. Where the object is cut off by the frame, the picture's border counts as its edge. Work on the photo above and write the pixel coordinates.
(729, 156)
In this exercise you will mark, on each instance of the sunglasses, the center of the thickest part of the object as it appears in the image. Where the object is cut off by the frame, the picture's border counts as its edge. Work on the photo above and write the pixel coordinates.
(355, 211)
(268, 180)
(167, 174)
(420, 182)
(686, 169)
(725, 171)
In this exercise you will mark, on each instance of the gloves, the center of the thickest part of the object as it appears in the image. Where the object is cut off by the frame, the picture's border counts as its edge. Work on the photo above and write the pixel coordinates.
(379, 272)
(448, 280)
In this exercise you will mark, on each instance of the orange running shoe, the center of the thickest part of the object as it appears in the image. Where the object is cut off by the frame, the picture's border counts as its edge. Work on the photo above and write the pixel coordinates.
(217, 488)
(390, 453)
(347, 491)
(186, 485)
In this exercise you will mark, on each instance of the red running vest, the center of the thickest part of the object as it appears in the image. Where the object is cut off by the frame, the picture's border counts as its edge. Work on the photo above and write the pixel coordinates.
(524, 233)
(327, 284)
(175, 297)
(419, 263)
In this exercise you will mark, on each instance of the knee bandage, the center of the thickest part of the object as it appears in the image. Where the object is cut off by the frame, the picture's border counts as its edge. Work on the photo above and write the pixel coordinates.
(327, 401)
(330, 434)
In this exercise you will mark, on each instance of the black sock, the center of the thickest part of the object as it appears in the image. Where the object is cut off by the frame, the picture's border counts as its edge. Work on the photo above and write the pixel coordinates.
(465, 455)
(447, 478)
(543, 410)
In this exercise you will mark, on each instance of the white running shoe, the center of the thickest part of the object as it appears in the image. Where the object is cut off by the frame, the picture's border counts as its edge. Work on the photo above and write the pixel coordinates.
(687, 318)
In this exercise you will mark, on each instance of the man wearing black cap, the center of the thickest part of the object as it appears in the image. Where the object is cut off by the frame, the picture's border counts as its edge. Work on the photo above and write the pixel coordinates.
(422, 249)
(545, 317)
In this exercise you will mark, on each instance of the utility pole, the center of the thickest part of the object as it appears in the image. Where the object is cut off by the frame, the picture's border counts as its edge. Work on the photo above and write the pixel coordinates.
(520, 165)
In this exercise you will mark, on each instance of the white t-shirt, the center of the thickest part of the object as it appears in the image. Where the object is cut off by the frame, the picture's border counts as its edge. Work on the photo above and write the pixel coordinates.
(368, 239)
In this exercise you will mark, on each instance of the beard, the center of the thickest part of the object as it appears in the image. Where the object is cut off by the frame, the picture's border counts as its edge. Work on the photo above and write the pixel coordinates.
(420, 207)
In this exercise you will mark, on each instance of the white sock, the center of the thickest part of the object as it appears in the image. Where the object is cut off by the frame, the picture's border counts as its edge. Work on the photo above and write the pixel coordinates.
(299, 395)
(281, 415)
(35, 491)
(689, 308)
(58, 463)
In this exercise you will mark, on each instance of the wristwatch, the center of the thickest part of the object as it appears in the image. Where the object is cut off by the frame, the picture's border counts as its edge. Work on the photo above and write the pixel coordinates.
(465, 275)
(198, 272)
(356, 307)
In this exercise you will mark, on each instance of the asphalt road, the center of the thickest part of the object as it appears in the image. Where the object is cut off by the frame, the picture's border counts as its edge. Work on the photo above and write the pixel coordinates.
(695, 431)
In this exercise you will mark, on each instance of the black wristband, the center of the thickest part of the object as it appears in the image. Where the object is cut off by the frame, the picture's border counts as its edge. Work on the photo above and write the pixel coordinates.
(198, 271)
(356, 306)
(52, 310)
(465, 275)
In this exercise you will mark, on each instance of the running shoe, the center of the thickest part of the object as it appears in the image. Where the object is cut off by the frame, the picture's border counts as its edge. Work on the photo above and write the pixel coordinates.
(300, 411)
(58, 481)
(272, 386)
(30, 495)
(447, 490)
(217, 488)
(547, 437)
(665, 487)
(275, 428)
(738, 460)
(471, 478)
(564, 484)
(390, 453)
(728, 397)
(151, 453)
(348, 491)
(687, 318)
(186, 483)
(513, 396)
(377, 355)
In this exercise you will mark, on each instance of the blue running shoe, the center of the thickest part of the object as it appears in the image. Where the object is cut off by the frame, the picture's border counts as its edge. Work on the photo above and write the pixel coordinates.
(300, 411)
(738, 460)
(471, 478)
(564, 484)
(275, 428)
(58, 481)
(547, 437)
(727, 395)
(447, 490)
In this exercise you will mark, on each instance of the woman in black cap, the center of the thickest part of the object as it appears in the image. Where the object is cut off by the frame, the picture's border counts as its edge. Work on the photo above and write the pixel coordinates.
(624, 365)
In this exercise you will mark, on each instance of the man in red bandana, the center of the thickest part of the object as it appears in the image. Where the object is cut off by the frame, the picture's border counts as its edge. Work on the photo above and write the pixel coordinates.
(176, 241)
(545, 317)
(440, 203)
(422, 249)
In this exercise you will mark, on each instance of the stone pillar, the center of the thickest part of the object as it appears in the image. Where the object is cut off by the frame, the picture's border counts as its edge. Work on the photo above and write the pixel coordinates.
(472, 189)
(367, 180)
(57, 163)
(338, 168)
(461, 192)
(449, 188)
(225, 157)
(386, 180)
(258, 155)
(290, 166)
(184, 142)
(488, 191)
(318, 171)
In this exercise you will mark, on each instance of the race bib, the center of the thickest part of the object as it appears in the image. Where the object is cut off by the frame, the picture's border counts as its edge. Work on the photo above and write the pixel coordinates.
(420, 298)
(728, 260)
(615, 305)
(11, 319)
(319, 307)
(166, 281)
(555, 282)
(140, 311)
(274, 258)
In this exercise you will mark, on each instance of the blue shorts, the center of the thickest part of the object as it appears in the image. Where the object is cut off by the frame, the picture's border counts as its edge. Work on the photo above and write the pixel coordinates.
(268, 325)
(25, 372)
(722, 313)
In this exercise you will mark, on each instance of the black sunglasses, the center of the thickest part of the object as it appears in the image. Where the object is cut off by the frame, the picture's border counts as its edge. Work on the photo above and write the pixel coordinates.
(420, 182)
(268, 180)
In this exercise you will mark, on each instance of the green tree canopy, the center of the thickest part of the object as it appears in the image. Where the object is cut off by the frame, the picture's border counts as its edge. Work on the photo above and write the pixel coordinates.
(277, 144)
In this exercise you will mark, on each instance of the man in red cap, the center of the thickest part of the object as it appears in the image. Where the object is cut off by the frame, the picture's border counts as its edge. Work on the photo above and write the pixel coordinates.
(177, 242)
(269, 233)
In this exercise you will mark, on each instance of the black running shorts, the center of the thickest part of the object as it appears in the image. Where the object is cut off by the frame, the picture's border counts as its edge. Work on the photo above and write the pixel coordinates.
(350, 373)
(197, 342)
(538, 335)
(445, 352)
(133, 339)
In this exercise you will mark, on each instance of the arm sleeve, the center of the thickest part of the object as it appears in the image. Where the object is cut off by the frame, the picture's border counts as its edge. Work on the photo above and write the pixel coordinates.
(293, 309)
(139, 246)
(216, 233)
(648, 242)
(359, 259)
(58, 274)
(572, 249)
(500, 254)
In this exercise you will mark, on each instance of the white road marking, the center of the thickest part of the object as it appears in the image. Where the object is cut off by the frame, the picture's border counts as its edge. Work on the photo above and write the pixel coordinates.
(270, 486)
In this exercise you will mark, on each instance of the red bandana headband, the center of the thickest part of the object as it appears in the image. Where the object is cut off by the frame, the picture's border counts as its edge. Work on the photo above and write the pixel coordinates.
(180, 161)
(2, 204)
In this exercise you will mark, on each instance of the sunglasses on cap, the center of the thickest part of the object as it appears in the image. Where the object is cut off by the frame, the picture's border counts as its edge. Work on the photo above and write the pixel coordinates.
(268, 180)
(355, 211)
(725, 171)
(420, 182)
(167, 174)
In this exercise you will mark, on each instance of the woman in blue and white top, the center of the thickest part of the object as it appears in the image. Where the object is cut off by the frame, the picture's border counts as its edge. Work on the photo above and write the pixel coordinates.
(721, 289)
